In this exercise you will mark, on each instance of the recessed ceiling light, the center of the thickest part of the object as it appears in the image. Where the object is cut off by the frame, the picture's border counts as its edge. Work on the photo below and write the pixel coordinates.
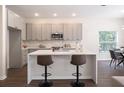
(73, 14)
(54, 14)
(36, 14)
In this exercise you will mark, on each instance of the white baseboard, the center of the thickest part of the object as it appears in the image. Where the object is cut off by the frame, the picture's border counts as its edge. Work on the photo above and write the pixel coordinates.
(103, 59)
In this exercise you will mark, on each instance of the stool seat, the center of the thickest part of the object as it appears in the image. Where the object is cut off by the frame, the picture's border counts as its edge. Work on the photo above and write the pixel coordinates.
(44, 60)
(78, 59)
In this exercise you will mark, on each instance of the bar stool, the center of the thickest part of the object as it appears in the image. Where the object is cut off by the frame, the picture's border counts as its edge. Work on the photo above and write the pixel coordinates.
(45, 61)
(78, 60)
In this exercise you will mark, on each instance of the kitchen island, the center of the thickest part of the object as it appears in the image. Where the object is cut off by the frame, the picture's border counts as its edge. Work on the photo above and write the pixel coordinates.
(61, 67)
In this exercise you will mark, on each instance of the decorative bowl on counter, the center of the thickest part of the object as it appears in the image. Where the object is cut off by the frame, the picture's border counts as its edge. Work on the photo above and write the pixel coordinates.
(41, 46)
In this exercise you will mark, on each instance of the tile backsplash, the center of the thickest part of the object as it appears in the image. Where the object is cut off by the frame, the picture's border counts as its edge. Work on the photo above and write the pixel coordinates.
(49, 44)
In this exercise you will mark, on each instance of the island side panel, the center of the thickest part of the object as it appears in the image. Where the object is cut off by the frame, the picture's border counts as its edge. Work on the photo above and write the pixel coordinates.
(93, 61)
(29, 76)
(61, 68)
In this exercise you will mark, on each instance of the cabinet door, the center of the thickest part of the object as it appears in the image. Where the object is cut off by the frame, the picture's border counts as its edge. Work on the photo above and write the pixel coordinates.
(24, 56)
(60, 28)
(54, 30)
(17, 21)
(46, 31)
(74, 33)
(36, 32)
(29, 31)
(68, 31)
(57, 28)
(14, 20)
(23, 29)
(79, 31)
(43, 32)
(11, 18)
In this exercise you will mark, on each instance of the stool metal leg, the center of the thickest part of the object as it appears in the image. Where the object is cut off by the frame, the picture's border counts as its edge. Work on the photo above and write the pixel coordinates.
(46, 83)
(77, 83)
(77, 74)
(45, 73)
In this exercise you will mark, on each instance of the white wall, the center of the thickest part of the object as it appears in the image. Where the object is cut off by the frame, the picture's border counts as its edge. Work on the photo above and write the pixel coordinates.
(2, 45)
(0, 40)
(91, 27)
(91, 33)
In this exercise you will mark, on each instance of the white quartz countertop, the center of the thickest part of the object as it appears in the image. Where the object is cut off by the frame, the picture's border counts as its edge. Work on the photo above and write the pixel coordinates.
(69, 52)
(35, 48)
(46, 48)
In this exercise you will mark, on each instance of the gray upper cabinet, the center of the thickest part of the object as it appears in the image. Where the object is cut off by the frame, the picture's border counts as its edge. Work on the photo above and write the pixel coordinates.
(68, 31)
(73, 31)
(57, 28)
(23, 27)
(16, 21)
(46, 31)
(77, 32)
(11, 19)
(33, 31)
(28, 31)
(36, 31)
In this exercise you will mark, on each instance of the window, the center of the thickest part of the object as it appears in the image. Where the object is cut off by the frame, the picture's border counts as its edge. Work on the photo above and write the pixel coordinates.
(107, 40)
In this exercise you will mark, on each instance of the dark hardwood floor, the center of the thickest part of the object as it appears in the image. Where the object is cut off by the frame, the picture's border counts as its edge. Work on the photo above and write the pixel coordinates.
(105, 73)
(18, 78)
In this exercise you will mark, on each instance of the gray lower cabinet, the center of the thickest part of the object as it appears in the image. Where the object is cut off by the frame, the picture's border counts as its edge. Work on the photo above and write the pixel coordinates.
(24, 56)
(32, 50)
(35, 49)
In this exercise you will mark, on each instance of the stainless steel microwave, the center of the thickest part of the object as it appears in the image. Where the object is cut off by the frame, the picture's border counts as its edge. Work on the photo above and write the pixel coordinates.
(57, 36)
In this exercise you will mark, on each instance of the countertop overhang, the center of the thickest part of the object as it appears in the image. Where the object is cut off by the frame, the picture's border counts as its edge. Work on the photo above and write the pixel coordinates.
(70, 52)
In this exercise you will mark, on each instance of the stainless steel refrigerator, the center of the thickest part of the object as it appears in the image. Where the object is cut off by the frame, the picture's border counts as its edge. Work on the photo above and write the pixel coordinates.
(15, 55)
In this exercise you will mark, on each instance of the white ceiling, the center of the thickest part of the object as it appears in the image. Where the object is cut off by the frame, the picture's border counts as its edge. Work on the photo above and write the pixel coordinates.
(65, 11)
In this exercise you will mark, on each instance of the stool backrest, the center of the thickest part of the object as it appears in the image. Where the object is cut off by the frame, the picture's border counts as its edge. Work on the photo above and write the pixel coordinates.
(44, 60)
(78, 59)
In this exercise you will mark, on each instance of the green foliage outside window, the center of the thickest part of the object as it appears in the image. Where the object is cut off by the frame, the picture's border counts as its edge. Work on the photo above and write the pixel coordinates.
(107, 40)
